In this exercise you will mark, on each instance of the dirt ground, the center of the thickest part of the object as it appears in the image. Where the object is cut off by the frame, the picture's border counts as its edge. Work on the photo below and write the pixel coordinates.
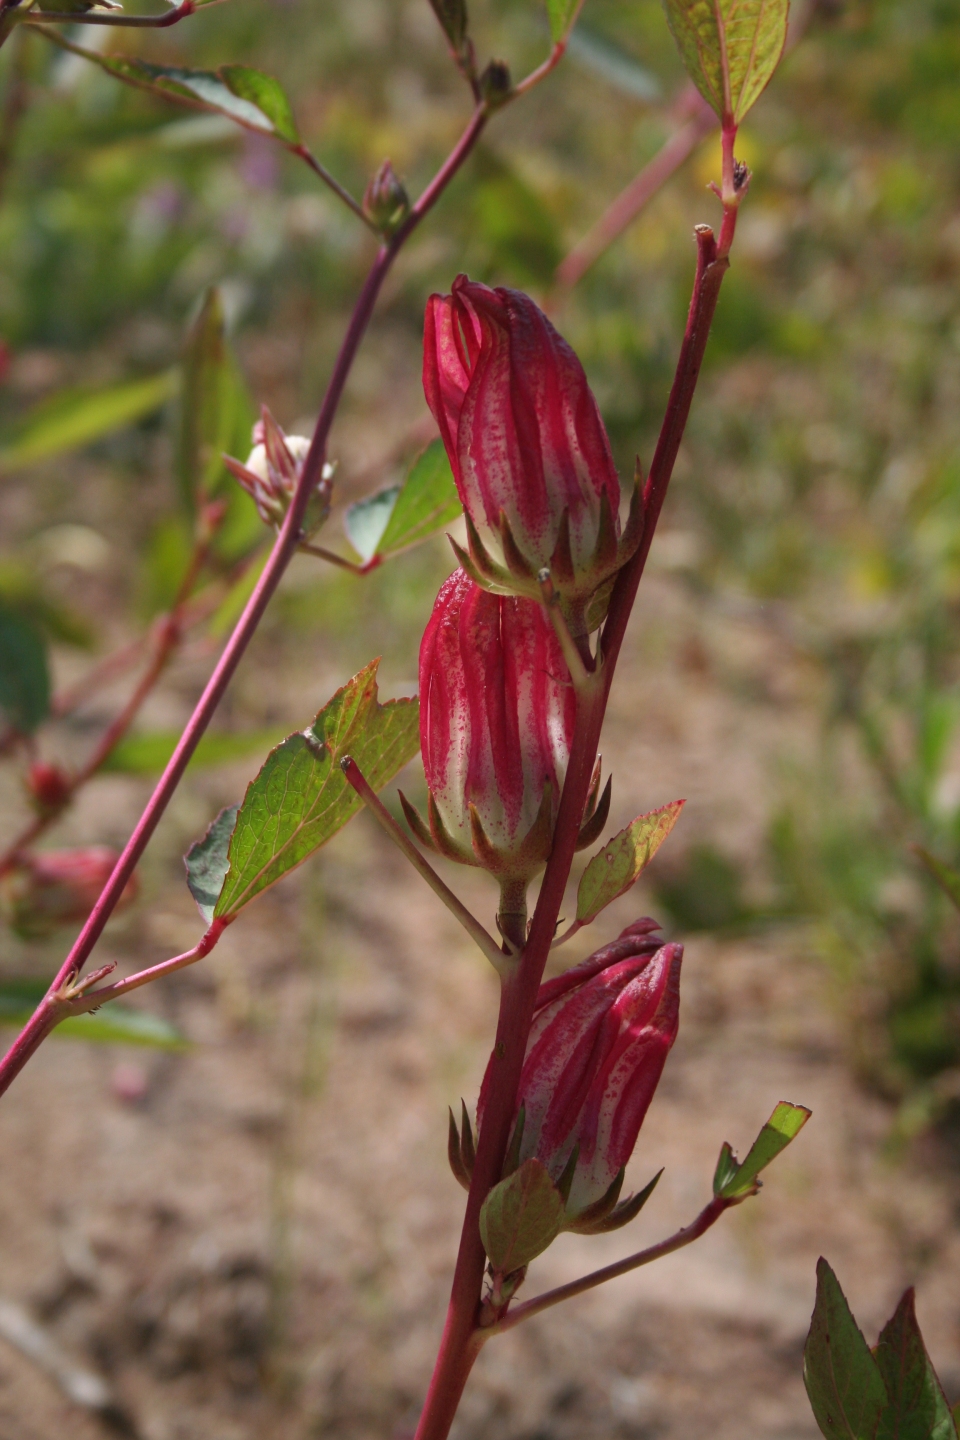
(260, 1245)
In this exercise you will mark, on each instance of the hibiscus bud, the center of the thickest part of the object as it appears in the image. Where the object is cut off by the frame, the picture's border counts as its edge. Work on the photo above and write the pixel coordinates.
(57, 887)
(496, 719)
(272, 471)
(385, 201)
(48, 787)
(528, 450)
(600, 1037)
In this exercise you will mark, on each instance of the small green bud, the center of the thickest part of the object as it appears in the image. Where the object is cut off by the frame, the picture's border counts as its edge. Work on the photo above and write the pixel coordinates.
(385, 201)
(496, 85)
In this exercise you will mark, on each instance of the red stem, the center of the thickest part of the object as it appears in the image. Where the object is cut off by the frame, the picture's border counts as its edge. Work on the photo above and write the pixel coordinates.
(288, 539)
(461, 1341)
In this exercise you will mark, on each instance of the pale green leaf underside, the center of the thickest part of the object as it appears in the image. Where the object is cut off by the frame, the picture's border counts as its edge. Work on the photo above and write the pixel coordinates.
(729, 47)
(206, 862)
(619, 864)
(301, 798)
(244, 95)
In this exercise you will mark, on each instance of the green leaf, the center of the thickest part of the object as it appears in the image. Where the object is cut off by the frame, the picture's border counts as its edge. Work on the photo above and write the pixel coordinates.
(730, 48)
(216, 414)
(917, 1408)
(619, 864)
(402, 515)
(727, 1167)
(366, 521)
(147, 754)
(784, 1125)
(560, 13)
(78, 417)
(248, 97)
(844, 1385)
(520, 1217)
(946, 878)
(24, 674)
(956, 1417)
(207, 862)
(113, 1023)
(428, 501)
(301, 797)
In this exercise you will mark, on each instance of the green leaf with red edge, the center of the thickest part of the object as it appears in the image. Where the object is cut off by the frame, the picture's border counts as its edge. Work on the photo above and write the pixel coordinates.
(301, 797)
(246, 96)
(620, 863)
(844, 1384)
(733, 1181)
(560, 13)
(520, 1217)
(730, 48)
(917, 1408)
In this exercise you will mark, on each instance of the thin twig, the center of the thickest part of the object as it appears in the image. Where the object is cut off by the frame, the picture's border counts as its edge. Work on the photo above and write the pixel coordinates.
(334, 184)
(81, 1004)
(708, 1216)
(381, 814)
(124, 22)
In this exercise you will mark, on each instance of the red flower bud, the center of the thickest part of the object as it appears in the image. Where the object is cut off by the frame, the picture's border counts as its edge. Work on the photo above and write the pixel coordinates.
(600, 1037)
(48, 787)
(272, 472)
(57, 887)
(496, 719)
(529, 453)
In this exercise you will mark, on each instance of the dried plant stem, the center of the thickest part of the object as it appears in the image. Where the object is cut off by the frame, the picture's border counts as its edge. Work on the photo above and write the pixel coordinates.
(460, 1346)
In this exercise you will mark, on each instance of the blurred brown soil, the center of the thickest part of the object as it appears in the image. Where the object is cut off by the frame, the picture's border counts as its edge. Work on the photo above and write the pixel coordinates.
(261, 1245)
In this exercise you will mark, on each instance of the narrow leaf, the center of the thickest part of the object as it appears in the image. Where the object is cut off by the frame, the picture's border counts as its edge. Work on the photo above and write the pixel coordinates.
(844, 1385)
(918, 1408)
(148, 753)
(560, 13)
(428, 501)
(784, 1125)
(947, 878)
(206, 862)
(520, 1217)
(621, 861)
(730, 48)
(301, 797)
(78, 417)
(114, 1023)
(216, 414)
(24, 674)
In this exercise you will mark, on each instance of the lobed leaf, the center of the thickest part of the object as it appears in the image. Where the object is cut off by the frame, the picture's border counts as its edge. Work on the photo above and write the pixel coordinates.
(206, 862)
(844, 1384)
(113, 1024)
(784, 1125)
(520, 1217)
(403, 515)
(917, 1408)
(301, 798)
(24, 672)
(620, 863)
(730, 48)
(79, 416)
